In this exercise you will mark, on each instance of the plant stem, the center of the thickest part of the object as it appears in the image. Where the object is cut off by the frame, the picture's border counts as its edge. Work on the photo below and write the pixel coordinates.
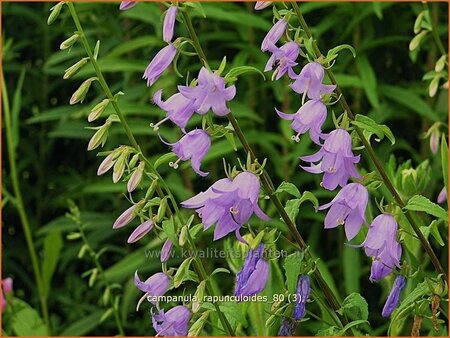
(267, 183)
(434, 31)
(426, 245)
(19, 204)
(197, 262)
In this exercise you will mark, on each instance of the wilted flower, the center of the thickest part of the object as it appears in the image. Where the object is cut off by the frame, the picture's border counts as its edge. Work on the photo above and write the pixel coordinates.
(192, 146)
(287, 328)
(136, 177)
(303, 291)
(142, 230)
(442, 197)
(228, 204)
(253, 276)
(262, 4)
(166, 250)
(156, 285)
(337, 161)
(127, 216)
(310, 117)
(210, 93)
(309, 81)
(173, 323)
(272, 37)
(7, 287)
(169, 23)
(394, 296)
(381, 244)
(179, 109)
(159, 64)
(283, 60)
(347, 208)
(125, 5)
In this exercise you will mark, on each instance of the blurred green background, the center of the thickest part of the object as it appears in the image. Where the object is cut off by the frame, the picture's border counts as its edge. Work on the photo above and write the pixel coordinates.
(50, 140)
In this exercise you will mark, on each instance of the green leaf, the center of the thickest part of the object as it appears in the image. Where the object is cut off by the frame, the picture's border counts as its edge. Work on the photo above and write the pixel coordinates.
(433, 230)
(309, 196)
(333, 53)
(169, 229)
(371, 127)
(26, 320)
(235, 72)
(289, 188)
(292, 265)
(421, 203)
(444, 160)
(182, 273)
(52, 248)
(84, 325)
(352, 269)
(369, 80)
(220, 270)
(292, 208)
(355, 307)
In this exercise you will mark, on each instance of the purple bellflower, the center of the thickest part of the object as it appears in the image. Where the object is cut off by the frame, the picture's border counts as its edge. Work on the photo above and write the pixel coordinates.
(173, 323)
(272, 37)
(169, 23)
(253, 276)
(287, 328)
(309, 82)
(159, 64)
(156, 285)
(347, 208)
(303, 291)
(310, 117)
(178, 108)
(125, 5)
(337, 161)
(210, 93)
(262, 4)
(442, 197)
(381, 244)
(192, 146)
(394, 296)
(228, 204)
(283, 60)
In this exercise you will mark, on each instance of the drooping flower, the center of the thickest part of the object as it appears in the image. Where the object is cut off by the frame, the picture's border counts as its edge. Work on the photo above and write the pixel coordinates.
(210, 93)
(228, 204)
(173, 323)
(159, 64)
(178, 108)
(156, 285)
(166, 250)
(125, 5)
(287, 328)
(394, 296)
(272, 37)
(169, 23)
(283, 60)
(310, 117)
(253, 276)
(337, 161)
(381, 244)
(442, 197)
(7, 287)
(309, 81)
(347, 208)
(192, 146)
(262, 4)
(140, 231)
(303, 291)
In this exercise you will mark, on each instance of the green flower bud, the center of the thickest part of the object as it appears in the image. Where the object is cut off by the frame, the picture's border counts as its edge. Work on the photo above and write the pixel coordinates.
(72, 70)
(69, 42)
(98, 110)
(198, 297)
(440, 64)
(55, 10)
(415, 42)
(81, 92)
(100, 136)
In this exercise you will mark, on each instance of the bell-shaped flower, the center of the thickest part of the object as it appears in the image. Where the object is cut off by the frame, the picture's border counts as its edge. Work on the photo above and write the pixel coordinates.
(274, 34)
(309, 81)
(303, 291)
(174, 323)
(262, 4)
(229, 204)
(347, 208)
(169, 23)
(381, 244)
(210, 93)
(192, 146)
(159, 64)
(283, 60)
(125, 5)
(253, 276)
(156, 285)
(336, 160)
(310, 117)
(140, 231)
(394, 296)
(442, 197)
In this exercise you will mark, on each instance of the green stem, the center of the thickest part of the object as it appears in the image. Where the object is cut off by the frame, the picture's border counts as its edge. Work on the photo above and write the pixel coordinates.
(268, 185)
(19, 204)
(434, 31)
(197, 262)
(426, 245)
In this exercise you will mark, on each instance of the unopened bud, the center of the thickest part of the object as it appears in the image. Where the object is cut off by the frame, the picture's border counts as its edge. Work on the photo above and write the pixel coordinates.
(166, 250)
(98, 110)
(55, 10)
(128, 215)
(434, 140)
(136, 177)
(418, 22)
(119, 167)
(133, 161)
(107, 163)
(183, 236)
(198, 297)
(72, 70)
(440, 64)
(197, 327)
(81, 92)
(415, 42)
(100, 137)
(161, 210)
(433, 87)
(69, 42)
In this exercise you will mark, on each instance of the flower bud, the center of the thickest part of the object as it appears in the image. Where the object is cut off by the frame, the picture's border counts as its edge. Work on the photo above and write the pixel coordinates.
(72, 70)
(140, 231)
(415, 42)
(136, 177)
(262, 4)
(133, 161)
(197, 327)
(98, 110)
(107, 163)
(100, 136)
(418, 22)
(198, 296)
(81, 92)
(440, 64)
(434, 140)
(128, 215)
(55, 10)
(183, 236)
(161, 210)
(165, 251)
(69, 42)
(434, 85)
(119, 167)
